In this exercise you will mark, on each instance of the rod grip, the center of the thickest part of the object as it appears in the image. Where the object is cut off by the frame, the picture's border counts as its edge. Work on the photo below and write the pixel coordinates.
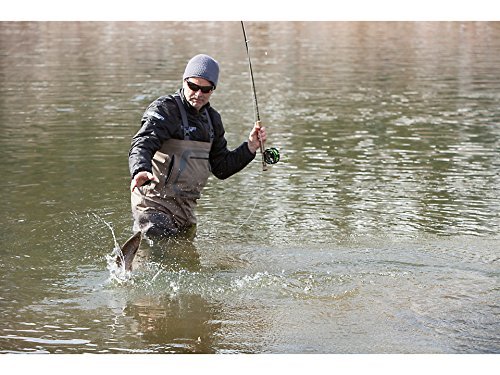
(258, 123)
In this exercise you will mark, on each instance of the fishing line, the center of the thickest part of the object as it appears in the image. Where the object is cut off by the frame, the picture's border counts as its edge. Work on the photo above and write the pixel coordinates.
(257, 200)
(271, 155)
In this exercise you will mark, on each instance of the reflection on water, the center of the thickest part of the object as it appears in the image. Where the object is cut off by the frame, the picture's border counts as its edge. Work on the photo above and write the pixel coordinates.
(377, 232)
(172, 325)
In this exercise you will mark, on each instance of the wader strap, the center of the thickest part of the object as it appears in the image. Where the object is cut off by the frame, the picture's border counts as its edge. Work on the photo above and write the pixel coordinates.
(182, 110)
(212, 136)
(185, 124)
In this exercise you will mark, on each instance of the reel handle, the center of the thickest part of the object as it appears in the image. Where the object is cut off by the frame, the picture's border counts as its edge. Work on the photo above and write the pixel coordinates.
(272, 155)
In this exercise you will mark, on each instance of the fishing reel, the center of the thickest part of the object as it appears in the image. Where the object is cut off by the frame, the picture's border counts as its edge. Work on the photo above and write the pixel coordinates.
(271, 155)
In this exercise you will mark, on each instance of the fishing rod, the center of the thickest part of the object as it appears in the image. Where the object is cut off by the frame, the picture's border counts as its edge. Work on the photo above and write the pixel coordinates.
(271, 155)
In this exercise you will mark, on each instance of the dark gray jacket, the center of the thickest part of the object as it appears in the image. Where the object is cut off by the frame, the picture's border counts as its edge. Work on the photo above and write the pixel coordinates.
(162, 121)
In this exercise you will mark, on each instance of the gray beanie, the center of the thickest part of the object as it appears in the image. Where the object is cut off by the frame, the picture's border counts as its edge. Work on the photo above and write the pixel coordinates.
(202, 66)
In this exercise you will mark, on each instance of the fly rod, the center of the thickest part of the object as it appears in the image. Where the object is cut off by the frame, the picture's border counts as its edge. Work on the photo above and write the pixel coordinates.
(270, 156)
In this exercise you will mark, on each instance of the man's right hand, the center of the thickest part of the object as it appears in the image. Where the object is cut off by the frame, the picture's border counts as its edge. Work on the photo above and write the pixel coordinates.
(141, 178)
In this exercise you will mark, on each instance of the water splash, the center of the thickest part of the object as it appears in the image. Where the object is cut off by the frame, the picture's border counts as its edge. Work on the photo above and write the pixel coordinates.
(117, 273)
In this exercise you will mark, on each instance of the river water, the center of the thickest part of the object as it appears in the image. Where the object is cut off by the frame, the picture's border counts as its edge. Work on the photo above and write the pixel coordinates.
(377, 232)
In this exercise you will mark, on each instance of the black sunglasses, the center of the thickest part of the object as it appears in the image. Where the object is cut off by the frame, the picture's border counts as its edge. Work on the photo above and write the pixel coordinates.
(195, 87)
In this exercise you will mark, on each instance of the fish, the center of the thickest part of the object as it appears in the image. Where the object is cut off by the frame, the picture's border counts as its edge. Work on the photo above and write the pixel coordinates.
(127, 252)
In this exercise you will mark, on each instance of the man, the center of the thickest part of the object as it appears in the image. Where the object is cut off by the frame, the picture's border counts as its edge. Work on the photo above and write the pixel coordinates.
(180, 143)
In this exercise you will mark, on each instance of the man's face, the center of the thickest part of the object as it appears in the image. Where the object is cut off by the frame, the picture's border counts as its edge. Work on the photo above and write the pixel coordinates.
(194, 95)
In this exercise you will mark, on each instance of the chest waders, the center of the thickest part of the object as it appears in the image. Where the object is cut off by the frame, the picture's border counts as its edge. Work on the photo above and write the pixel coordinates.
(182, 167)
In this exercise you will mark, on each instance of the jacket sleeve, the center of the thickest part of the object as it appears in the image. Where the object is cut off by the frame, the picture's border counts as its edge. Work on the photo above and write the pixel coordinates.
(155, 129)
(225, 162)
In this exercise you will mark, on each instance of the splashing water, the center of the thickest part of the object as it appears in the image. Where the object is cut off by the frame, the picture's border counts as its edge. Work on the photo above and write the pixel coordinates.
(117, 273)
